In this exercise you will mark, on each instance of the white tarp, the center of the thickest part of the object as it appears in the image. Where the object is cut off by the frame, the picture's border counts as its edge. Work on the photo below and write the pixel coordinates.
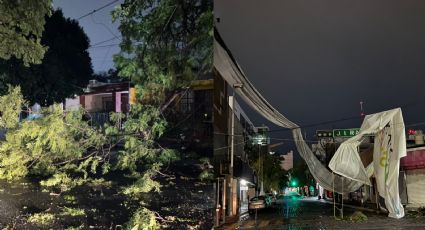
(389, 147)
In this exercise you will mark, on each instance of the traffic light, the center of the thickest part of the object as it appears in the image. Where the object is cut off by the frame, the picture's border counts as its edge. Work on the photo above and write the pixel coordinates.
(294, 183)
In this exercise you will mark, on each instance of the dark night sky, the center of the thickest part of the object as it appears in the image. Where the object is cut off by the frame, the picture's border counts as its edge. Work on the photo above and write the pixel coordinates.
(316, 60)
(98, 27)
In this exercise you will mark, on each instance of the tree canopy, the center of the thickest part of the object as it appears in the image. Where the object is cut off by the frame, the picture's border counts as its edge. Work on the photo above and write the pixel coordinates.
(165, 42)
(65, 68)
(21, 27)
(267, 167)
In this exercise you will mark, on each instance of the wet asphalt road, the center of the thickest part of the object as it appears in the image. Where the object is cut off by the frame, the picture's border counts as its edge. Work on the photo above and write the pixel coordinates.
(309, 213)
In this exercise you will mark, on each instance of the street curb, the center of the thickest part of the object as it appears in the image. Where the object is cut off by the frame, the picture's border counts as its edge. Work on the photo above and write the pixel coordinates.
(233, 224)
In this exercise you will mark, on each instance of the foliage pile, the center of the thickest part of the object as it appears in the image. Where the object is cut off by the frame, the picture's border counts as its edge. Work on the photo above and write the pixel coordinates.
(143, 219)
(42, 219)
(358, 216)
(67, 211)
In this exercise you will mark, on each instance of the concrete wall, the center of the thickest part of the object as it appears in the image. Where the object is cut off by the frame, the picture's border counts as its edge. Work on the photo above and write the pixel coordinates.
(72, 103)
(415, 181)
(94, 103)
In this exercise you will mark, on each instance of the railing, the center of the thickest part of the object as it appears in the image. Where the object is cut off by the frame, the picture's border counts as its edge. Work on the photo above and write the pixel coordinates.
(98, 119)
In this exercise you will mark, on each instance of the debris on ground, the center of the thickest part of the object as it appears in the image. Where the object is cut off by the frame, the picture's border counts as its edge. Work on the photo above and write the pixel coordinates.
(420, 212)
(358, 216)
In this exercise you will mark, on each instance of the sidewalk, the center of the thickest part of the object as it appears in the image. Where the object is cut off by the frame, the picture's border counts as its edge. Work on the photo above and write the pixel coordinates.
(232, 222)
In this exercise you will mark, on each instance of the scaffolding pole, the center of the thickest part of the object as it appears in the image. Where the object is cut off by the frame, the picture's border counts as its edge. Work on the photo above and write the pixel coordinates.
(341, 210)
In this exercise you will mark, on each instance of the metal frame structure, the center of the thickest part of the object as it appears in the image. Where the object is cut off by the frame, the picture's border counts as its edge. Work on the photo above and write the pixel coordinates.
(341, 210)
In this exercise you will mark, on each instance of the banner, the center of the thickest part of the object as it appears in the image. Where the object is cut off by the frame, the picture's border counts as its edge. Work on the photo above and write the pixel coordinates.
(386, 165)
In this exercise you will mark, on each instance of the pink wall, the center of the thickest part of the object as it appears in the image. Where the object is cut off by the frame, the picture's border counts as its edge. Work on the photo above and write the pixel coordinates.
(117, 102)
(415, 159)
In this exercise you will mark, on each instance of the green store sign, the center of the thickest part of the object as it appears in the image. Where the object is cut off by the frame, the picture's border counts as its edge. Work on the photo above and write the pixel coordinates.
(346, 132)
(337, 133)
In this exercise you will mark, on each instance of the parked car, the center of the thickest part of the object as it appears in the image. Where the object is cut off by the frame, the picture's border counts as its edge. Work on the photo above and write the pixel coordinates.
(256, 203)
(260, 202)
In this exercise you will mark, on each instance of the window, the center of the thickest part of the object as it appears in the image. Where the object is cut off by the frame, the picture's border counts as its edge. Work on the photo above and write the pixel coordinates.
(186, 102)
(108, 104)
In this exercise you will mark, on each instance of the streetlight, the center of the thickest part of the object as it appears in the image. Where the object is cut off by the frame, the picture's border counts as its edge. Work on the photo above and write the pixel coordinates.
(244, 182)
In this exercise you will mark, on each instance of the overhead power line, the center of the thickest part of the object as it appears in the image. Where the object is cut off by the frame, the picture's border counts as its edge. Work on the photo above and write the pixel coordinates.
(293, 140)
(104, 46)
(104, 41)
(96, 10)
(344, 119)
(317, 124)
(104, 25)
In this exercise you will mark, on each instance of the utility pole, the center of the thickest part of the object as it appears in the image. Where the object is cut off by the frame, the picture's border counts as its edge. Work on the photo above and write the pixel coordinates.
(232, 139)
(232, 146)
(261, 139)
(259, 168)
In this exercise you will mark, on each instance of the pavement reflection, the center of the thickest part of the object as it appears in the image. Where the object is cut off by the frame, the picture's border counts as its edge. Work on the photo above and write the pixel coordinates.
(294, 212)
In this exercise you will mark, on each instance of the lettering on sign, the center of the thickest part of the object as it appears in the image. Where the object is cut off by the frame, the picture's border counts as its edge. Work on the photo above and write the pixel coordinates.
(346, 132)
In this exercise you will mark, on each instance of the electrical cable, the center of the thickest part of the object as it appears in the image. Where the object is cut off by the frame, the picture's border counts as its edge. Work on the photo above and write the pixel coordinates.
(107, 40)
(406, 125)
(340, 120)
(96, 10)
(104, 46)
(311, 141)
(104, 57)
(104, 25)
(225, 147)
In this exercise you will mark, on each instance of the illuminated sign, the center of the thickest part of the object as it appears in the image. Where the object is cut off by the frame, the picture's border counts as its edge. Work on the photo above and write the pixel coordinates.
(337, 133)
(324, 133)
(346, 132)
